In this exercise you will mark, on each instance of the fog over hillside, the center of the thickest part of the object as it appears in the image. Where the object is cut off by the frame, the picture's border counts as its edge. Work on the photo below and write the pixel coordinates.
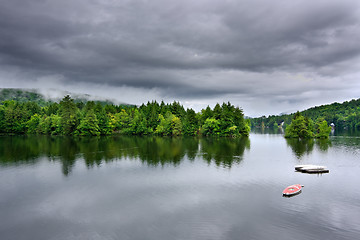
(49, 95)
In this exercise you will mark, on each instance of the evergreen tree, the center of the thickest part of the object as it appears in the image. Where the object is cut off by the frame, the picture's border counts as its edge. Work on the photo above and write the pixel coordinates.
(103, 119)
(191, 125)
(15, 118)
(217, 112)
(68, 114)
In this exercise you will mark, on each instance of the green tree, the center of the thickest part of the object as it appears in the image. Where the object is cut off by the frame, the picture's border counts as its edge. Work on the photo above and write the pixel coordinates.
(2, 118)
(300, 127)
(51, 109)
(138, 124)
(124, 120)
(176, 126)
(322, 129)
(191, 125)
(14, 117)
(217, 112)
(33, 123)
(211, 127)
(44, 126)
(161, 128)
(68, 114)
(56, 124)
(205, 114)
(89, 125)
(103, 119)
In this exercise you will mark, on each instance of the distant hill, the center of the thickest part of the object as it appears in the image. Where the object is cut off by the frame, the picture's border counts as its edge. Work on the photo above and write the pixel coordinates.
(45, 97)
(343, 115)
(20, 95)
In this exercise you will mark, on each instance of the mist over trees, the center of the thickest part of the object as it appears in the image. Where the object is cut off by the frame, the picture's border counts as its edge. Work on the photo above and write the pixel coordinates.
(93, 119)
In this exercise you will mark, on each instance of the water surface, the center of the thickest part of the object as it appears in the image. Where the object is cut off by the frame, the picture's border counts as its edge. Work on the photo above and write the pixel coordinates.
(177, 188)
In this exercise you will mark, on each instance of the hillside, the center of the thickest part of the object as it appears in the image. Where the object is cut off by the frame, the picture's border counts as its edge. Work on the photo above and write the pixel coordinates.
(43, 99)
(343, 115)
(21, 95)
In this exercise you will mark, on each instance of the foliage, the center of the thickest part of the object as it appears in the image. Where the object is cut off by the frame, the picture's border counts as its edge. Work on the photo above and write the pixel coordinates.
(33, 96)
(211, 127)
(303, 127)
(32, 124)
(300, 127)
(22, 96)
(191, 123)
(68, 114)
(322, 129)
(89, 125)
(92, 119)
(344, 115)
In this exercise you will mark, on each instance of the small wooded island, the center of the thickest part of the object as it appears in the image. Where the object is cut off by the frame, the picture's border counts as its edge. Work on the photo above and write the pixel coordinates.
(304, 127)
(93, 119)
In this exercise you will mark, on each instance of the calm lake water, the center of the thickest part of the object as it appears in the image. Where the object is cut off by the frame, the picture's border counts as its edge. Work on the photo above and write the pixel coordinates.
(182, 188)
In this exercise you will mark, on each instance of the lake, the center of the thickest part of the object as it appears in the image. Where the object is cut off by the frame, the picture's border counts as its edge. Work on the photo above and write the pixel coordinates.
(150, 188)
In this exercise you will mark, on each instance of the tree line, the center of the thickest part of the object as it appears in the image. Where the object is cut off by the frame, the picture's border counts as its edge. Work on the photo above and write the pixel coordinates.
(344, 115)
(93, 119)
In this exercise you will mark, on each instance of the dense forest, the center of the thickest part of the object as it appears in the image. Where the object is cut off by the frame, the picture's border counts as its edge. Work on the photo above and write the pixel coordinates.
(344, 115)
(92, 119)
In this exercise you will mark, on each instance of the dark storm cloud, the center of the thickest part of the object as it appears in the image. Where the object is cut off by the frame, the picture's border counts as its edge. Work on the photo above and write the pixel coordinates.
(181, 48)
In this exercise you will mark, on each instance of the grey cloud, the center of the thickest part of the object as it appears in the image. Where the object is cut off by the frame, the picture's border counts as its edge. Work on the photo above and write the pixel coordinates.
(171, 46)
(241, 36)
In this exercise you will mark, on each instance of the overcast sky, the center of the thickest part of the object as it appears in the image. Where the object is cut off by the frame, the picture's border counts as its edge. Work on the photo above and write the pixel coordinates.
(265, 56)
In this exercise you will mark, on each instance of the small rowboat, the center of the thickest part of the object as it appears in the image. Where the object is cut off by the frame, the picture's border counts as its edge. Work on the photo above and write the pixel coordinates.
(292, 190)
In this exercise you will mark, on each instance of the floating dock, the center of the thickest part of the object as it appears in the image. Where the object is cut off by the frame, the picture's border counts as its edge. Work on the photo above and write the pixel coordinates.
(311, 169)
(299, 167)
(316, 171)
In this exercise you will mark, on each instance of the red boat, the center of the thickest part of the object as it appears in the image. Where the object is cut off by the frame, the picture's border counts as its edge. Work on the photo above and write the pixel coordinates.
(292, 190)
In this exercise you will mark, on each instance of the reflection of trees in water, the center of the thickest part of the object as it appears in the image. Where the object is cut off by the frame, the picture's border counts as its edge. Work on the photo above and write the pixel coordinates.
(271, 131)
(224, 151)
(301, 147)
(323, 144)
(17, 150)
(154, 151)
